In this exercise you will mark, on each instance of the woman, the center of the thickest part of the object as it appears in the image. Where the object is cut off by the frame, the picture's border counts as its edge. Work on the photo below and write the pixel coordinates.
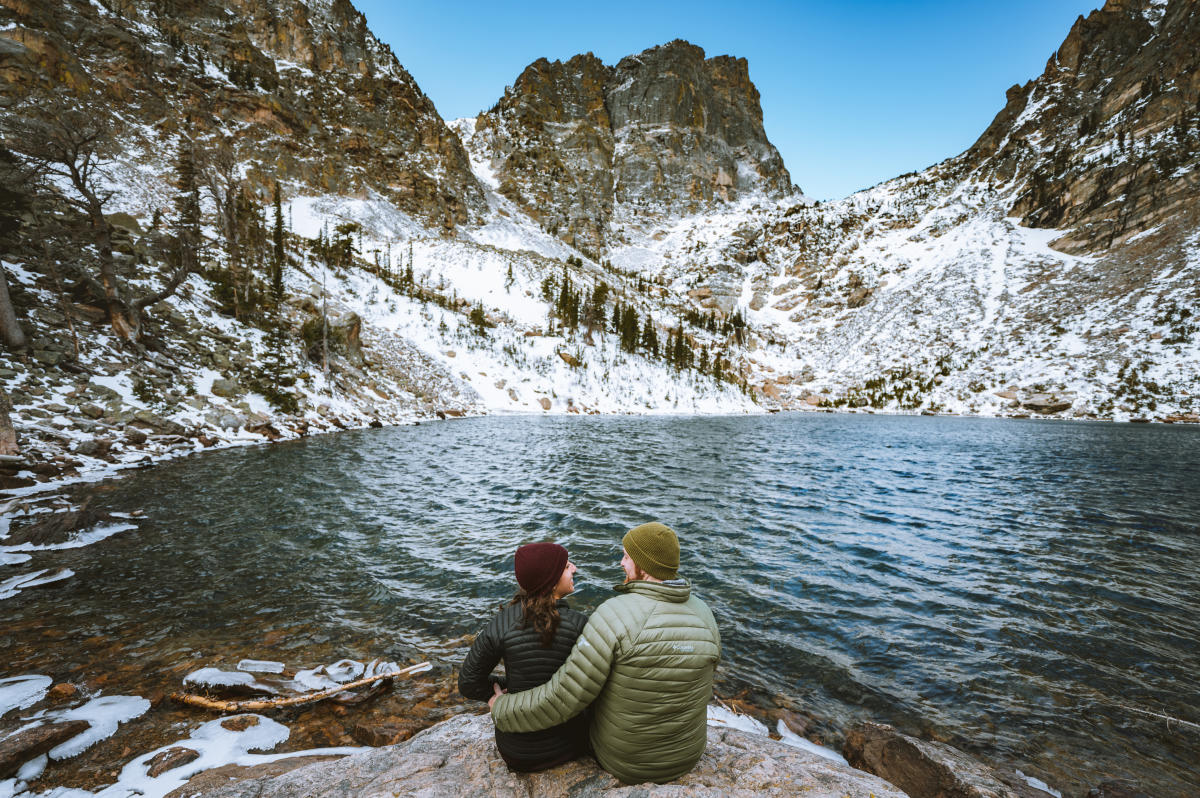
(533, 634)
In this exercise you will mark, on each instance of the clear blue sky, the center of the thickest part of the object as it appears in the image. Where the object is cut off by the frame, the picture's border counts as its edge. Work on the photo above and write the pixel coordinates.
(852, 92)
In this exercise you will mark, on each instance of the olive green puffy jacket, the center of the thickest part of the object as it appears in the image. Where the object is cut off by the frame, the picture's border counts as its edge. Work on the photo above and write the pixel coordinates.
(645, 663)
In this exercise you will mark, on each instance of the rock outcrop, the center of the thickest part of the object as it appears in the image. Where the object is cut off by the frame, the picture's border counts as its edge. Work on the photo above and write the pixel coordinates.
(579, 145)
(1104, 140)
(926, 769)
(458, 757)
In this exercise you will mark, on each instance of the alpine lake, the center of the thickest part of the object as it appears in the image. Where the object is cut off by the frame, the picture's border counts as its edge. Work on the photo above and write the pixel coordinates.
(1026, 590)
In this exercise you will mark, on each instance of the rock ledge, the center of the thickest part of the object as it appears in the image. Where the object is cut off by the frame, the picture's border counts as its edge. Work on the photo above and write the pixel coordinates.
(458, 757)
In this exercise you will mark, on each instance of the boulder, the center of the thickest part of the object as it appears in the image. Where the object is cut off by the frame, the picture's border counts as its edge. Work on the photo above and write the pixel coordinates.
(239, 723)
(544, 402)
(264, 428)
(19, 748)
(95, 447)
(459, 757)
(921, 768)
(347, 328)
(228, 389)
(91, 411)
(159, 424)
(389, 732)
(1116, 789)
(62, 691)
(858, 297)
(220, 777)
(1047, 403)
(173, 757)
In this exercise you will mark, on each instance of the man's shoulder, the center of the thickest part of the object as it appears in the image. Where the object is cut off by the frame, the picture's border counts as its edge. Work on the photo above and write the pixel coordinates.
(622, 608)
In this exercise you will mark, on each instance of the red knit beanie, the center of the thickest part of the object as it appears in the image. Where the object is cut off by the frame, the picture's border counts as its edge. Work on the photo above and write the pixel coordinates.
(539, 566)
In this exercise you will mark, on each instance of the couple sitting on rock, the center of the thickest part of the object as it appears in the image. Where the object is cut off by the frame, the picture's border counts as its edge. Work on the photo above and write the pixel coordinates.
(631, 684)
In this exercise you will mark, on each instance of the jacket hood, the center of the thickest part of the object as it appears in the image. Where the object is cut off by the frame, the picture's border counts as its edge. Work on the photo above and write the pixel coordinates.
(673, 590)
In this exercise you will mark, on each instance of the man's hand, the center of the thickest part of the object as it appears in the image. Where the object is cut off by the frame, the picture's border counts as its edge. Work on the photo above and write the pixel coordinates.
(496, 693)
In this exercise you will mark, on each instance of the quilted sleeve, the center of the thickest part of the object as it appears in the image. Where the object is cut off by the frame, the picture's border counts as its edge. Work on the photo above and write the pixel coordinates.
(474, 677)
(574, 686)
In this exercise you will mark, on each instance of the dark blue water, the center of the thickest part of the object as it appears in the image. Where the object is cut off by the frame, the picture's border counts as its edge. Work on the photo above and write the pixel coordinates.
(1019, 588)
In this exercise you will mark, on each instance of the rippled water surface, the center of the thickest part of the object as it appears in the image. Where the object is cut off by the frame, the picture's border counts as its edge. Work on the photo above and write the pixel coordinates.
(1019, 588)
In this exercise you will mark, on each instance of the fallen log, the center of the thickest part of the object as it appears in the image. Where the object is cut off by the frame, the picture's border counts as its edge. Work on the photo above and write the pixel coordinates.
(257, 704)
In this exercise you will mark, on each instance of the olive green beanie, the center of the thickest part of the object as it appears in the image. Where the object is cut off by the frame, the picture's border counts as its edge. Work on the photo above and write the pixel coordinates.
(654, 548)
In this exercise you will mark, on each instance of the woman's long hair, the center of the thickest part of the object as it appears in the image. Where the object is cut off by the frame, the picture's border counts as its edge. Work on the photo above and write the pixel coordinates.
(540, 611)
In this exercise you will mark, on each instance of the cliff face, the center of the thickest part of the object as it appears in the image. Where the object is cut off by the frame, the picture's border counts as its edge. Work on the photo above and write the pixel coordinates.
(580, 145)
(300, 91)
(1105, 139)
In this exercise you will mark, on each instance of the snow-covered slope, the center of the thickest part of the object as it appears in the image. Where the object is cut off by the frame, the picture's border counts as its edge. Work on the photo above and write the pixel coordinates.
(922, 294)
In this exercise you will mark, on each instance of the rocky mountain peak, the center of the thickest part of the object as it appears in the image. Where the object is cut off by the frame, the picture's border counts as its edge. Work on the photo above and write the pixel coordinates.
(1104, 140)
(582, 146)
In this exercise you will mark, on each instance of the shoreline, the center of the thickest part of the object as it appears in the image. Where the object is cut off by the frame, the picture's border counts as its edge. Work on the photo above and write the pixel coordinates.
(98, 470)
(156, 735)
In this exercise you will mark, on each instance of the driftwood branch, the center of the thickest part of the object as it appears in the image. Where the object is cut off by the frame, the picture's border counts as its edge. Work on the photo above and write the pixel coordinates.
(256, 704)
(1168, 718)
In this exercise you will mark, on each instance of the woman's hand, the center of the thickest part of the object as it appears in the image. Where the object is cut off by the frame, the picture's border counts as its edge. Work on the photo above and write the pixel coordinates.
(496, 693)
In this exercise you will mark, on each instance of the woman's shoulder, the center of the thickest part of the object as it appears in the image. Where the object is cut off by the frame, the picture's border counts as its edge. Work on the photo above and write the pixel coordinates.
(505, 618)
(572, 618)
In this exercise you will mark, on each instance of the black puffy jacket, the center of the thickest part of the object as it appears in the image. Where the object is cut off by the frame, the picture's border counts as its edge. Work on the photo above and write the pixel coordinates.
(526, 665)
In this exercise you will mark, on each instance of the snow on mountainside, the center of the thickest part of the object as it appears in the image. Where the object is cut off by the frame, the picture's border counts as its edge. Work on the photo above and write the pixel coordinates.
(921, 294)
(953, 289)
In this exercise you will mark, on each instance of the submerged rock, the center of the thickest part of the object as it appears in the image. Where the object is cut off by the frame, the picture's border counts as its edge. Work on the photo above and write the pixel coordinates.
(57, 527)
(459, 757)
(1116, 788)
(19, 748)
(921, 768)
(173, 757)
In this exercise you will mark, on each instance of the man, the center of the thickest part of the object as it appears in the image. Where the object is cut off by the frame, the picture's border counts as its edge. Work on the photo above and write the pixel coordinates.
(644, 662)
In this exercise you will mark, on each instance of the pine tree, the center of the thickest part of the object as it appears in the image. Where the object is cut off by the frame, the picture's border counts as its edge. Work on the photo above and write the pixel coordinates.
(274, 378)
(187, 198)
(629, 329)
(479, 319)
(563, 304)
(650, 337)
(679, 354)
(277, 240)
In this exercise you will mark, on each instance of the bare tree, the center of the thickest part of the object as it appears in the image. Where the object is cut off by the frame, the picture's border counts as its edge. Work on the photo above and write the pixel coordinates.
(9, 448)
(67, 138)
(13, 203)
